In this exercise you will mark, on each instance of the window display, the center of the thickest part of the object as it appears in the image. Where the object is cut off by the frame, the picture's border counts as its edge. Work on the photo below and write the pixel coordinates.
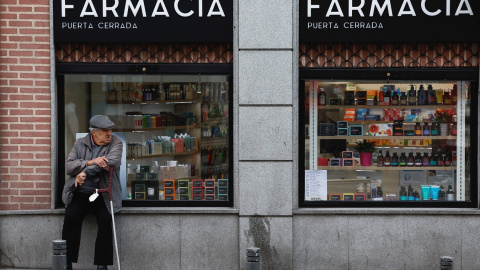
(379, 141)
(175, 130)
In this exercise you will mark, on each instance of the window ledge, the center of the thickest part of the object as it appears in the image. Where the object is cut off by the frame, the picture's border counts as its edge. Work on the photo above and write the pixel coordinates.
(135, 210)
(387, 211)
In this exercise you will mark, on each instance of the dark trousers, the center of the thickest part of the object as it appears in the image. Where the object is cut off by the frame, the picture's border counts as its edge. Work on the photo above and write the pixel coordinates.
(72, 228)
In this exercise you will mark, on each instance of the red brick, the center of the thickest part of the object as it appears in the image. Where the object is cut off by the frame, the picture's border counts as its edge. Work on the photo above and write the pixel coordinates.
(23, 184)
(21, 97)
(20, 38)
(46, 184)
(42, 97)
(35, 177)
(35, 119)
(22, 199)
(9, 148)
(21, 126)
(41, 9)
(9, 133)
(34, 46)
(21, 112)
(7, 207)
(20, 68)
(8, 60)
(9, 75)
(45, 24)
(8, 119)
(4, 104)
(36, 206)
(42, 68)
(22, 156)
(10, 191)
(43, 141)
(35, 105)
(42, 38)
(20, 53)
(45, 83)
(34, 148)
(42, 170)
(21, 82)
(35, 90)
(35, 192)
(34, 16)
(39, 61)
(8, 89)
(43, 199)
(42, 155)
(5, 162)
(9, 31)
(21, 169)
(36, 163)
(35, 134)
(45, 54)
(22, 141)
(35, 75)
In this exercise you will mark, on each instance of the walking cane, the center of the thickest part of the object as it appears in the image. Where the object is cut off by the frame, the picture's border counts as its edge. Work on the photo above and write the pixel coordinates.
(109, 191)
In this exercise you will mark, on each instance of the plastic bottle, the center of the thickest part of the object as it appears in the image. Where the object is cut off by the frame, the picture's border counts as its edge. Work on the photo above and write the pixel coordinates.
(394, 161)
(454, 94)
(450, 194)
(418, 129)
(322, 97)
(431, 95)
(434, 160)
(418, 160)
(403, 99)
(412, 96)
(426, 129)
(421, 96)
(425, 160)
(402, 161)
(387, 160)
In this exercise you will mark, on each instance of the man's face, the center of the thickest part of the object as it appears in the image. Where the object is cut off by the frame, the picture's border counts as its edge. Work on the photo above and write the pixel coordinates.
(102, 136)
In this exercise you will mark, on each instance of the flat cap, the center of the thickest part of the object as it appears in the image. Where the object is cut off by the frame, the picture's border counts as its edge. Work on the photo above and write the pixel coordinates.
(101, 121)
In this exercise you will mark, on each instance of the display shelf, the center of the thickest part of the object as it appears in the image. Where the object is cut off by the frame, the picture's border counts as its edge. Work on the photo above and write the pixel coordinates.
(156, 128)
(350, 180)
(154, 102)
(408, 107)
(375, 168)
(165, 155)
(380, 147)
(387, 137)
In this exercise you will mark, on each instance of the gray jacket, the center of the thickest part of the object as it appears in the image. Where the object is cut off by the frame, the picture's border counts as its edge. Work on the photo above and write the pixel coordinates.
(77, 161)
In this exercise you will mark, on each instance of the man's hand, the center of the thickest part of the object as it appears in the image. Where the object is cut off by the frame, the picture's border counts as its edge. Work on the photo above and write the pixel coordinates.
(100, 161)
(80, 179)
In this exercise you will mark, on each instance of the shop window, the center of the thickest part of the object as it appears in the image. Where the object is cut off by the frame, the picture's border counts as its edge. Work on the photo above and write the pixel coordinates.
(422, 128)
(176, 130)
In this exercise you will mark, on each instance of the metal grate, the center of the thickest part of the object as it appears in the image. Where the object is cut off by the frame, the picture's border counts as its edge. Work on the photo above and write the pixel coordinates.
(144, 53)
(444, 55)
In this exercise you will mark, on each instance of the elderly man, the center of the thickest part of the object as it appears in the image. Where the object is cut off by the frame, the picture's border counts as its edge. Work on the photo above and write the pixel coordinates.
(85, 166)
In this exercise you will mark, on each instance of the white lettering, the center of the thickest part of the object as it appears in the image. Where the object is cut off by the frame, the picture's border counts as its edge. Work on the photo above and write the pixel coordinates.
(129, 5)
(403, 12)
(113, 8)
(211, 12)
(424, 9)
(164, 12)
(337, 6)
(64, 7)
(468, 11)
(381, 9)
(351, 8)
(181, 13)
(84, 10)
(200, 8)
(310, 7)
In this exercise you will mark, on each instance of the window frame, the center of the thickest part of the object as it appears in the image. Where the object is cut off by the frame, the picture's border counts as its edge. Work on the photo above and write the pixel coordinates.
(386, 74)
(63, 69)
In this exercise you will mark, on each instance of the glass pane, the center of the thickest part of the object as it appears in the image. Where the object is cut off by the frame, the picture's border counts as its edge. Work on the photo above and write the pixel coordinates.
(420, 131)
(175, 131)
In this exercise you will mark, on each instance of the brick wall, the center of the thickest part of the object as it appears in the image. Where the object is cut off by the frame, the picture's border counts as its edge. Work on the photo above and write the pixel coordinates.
(25, 105)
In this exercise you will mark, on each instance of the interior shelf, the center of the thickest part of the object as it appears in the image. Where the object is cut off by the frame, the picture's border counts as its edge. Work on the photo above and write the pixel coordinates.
(375, 168)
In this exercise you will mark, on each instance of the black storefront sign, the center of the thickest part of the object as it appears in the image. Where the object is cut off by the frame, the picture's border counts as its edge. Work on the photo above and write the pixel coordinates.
(389, 20)
(143, 20)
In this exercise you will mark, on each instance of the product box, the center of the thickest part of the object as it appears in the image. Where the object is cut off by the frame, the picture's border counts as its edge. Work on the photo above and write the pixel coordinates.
(322, 162)
(182, 183)
(351, 112)
(342, 132)
(209, 197)
(380, 130)
(327, 129)
(169, 183)
(144, 190)
(197, 197)
(361, 101)
(348, 162)
(349, 101)
(361, 94)
(373, 187)
(209, 191)
(222, 197)
(183, 190)
(371, 94)
(356, 130)
(335, 162)
(197, 190)
(347, 154)
(349, 118)
(348, 196)
(350, 94)
(140, 176)
(197, 183)
(184, 197)
(152, 176)
(334, 101)
(342, 124)
(169, 197)
(209, 182)
(144, 168)
(336, 197)
(372, 117)
(392, 114)
(360, 197)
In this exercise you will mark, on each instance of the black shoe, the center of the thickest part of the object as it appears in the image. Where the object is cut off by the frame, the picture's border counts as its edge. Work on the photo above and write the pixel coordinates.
(69, 266)
(102, 267)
